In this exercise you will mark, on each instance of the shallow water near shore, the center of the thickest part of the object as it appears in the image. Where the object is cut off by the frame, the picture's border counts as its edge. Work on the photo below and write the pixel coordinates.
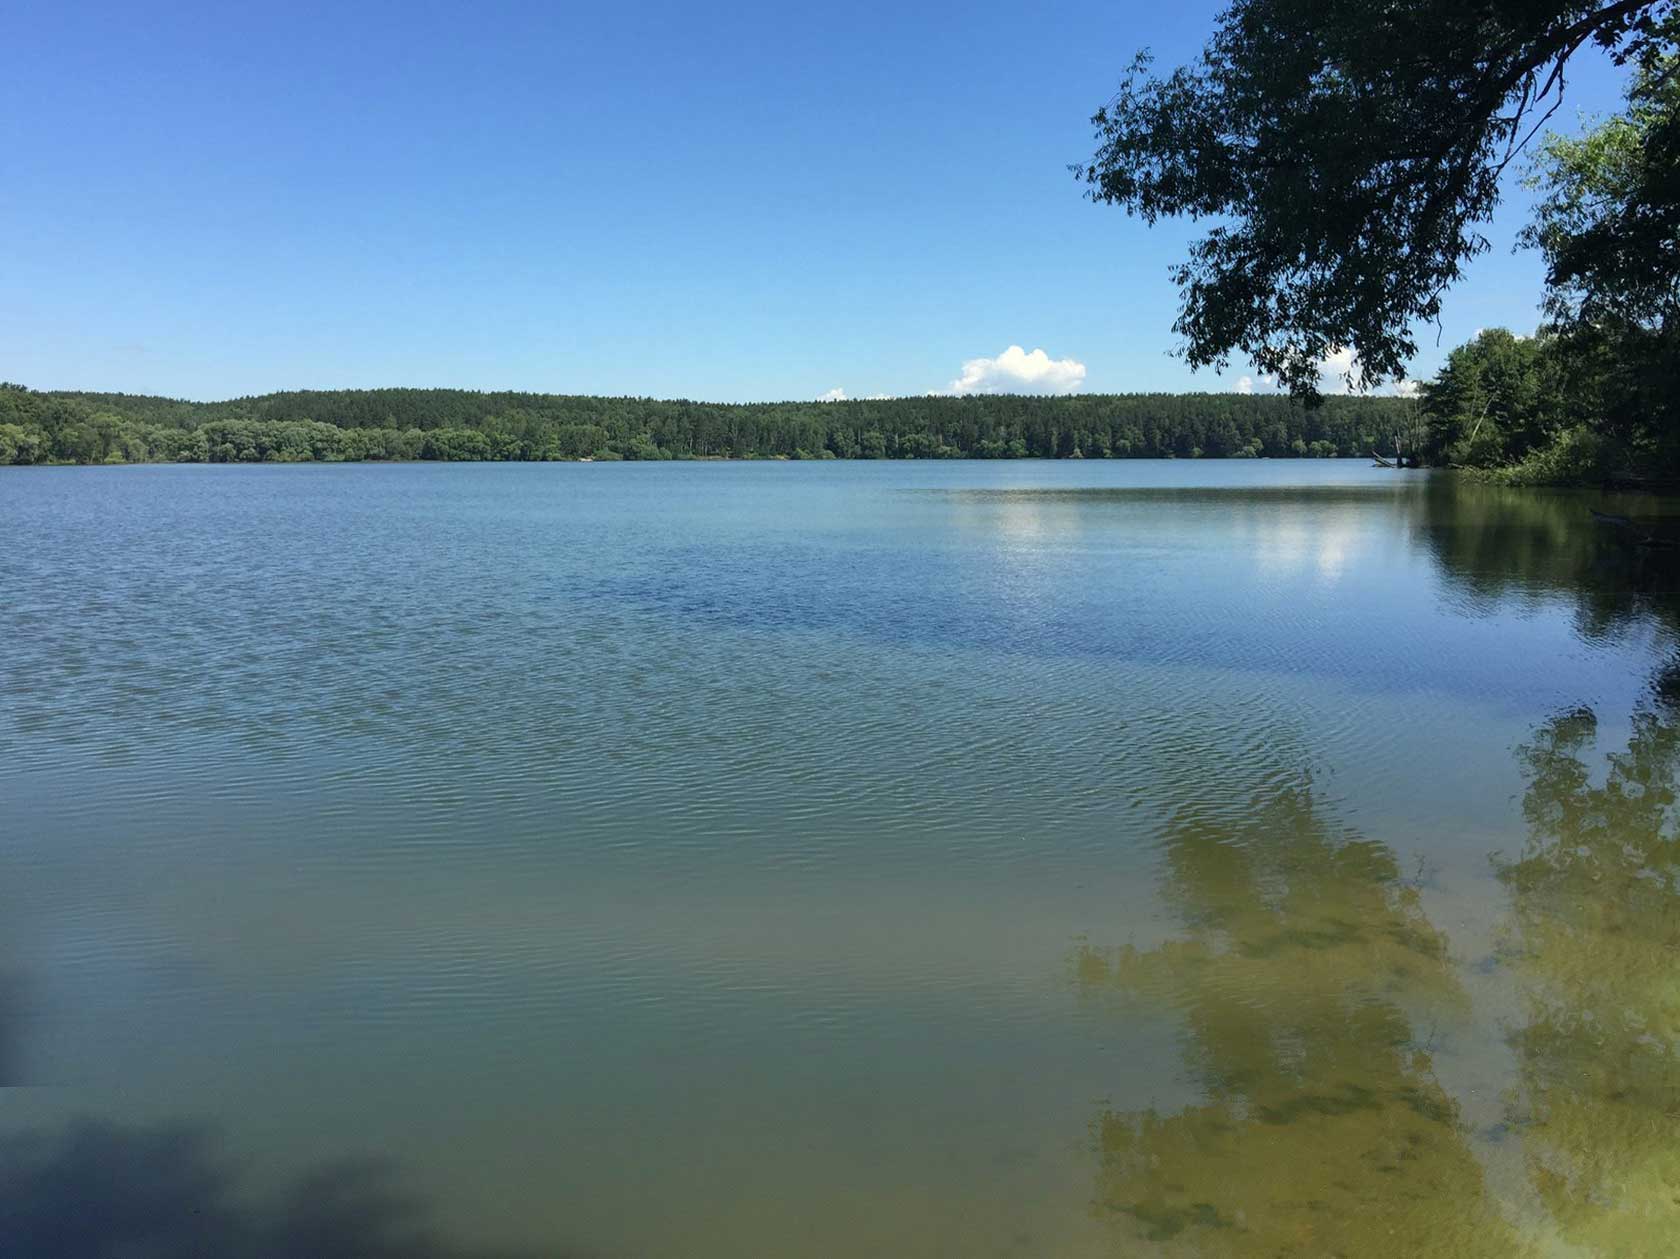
(971, 858)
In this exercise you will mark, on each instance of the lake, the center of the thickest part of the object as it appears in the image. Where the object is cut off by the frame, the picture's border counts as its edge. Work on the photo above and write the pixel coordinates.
(835, 859)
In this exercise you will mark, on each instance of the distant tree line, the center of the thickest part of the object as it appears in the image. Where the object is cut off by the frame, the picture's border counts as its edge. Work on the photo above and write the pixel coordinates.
(449, 424)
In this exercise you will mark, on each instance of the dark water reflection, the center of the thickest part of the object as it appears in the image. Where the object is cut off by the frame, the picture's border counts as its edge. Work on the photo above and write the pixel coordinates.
(1494, 544)
(687, 861)
(96, 1190)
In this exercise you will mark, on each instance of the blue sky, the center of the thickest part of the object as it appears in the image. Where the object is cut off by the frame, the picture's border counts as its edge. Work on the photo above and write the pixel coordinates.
(748, 202)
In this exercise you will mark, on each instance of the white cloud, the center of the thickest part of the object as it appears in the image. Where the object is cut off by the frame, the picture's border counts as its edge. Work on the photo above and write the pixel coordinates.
(1337, 371)
(1016, 371)
(1265, 382)
(833, 395)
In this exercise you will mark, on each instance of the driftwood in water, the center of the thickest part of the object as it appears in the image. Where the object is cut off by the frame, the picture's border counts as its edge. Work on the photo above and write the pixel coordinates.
(1381, 462)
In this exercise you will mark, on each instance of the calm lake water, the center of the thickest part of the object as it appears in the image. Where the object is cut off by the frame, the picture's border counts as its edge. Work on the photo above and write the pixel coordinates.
(931, 859)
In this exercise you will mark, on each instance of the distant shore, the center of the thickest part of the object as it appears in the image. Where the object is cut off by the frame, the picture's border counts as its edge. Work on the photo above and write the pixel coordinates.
(445, 425)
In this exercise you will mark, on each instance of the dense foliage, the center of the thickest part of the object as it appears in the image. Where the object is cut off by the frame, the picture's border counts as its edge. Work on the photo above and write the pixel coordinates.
(1348, 151)
(454, 424)
(1496, 400)
(1597, 392)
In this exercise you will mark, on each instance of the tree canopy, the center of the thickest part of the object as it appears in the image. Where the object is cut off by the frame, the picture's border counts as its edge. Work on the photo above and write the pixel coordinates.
(1608, 227)
(1597, 391)
(1347, 153)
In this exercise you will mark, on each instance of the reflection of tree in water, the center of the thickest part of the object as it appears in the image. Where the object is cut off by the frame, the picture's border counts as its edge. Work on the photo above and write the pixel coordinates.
(1305, 961)
(1494, 543)
(97, 1191)
(1595, 934)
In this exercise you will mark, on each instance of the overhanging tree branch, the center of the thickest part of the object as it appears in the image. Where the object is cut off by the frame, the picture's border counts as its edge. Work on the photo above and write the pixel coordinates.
(1348, 148)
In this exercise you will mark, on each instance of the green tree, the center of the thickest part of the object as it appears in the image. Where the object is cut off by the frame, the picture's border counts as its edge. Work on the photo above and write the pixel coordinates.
(1495, 399)
(19, 444)
(1608, 226)
(1350, 151)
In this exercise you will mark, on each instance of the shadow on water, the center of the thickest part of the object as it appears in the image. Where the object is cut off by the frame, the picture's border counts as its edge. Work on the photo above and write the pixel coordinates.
(95, 1190)
(1309, 982)
(1593, 938)
(1492, 544)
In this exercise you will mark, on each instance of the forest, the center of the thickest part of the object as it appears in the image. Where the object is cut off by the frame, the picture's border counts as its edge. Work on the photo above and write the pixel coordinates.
(448, 424)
